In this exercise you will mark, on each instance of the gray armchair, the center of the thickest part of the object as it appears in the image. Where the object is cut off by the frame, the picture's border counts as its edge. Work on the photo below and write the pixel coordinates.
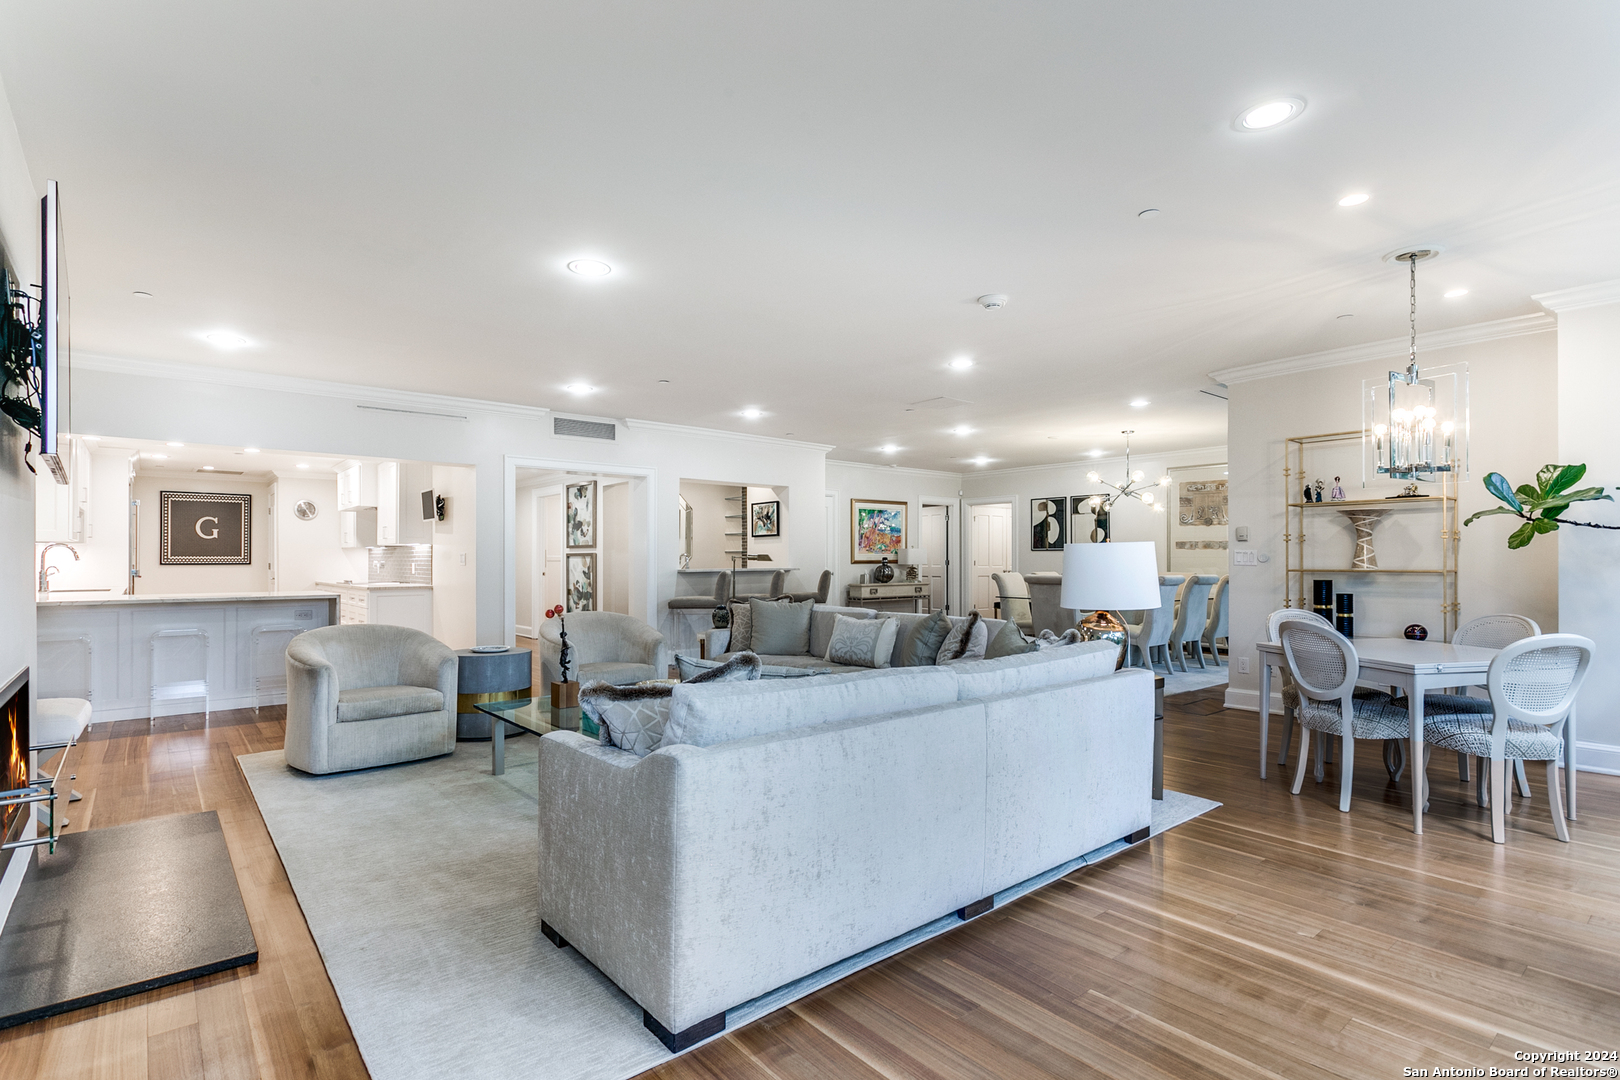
(822, 592)
(608, 647)
(365, 695)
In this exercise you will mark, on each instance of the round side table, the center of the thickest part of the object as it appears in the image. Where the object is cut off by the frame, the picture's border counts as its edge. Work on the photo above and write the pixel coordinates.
(485, 677)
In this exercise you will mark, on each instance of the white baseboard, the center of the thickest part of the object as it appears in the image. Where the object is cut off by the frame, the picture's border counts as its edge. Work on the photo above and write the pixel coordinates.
(1589, 757)
(527, 631)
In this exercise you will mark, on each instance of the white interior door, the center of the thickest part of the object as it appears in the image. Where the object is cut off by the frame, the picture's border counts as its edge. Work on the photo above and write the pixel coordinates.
(270, 538)
(935, 530)
(992, 552)
(549, 526)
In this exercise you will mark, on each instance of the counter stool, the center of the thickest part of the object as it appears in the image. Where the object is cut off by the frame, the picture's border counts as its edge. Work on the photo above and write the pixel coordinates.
(185, 690)
(278, 680)
(57, 724)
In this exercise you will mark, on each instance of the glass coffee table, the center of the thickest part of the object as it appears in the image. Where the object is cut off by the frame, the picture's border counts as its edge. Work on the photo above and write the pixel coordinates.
(530, 714)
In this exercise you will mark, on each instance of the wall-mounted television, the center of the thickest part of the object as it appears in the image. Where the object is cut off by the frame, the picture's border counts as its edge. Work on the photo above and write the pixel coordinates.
(54, 352)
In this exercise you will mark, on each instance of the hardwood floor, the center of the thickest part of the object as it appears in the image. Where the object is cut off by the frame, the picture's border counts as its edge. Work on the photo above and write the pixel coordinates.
(1272, 937)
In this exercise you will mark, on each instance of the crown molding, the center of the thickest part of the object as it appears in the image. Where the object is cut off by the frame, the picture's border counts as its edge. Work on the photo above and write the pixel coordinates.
(718, 433)
(1518, 326)
(1582, 296)
(380, 398)
(1172, 459)
(907, 469)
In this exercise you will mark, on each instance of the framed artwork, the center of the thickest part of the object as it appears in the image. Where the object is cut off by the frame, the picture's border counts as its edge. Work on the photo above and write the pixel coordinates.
(877, 530)
(582, 582)
(581, 513)
(1197, 525)
(1084, 526)
(765, 518)
(1048, 523)
(201, 529)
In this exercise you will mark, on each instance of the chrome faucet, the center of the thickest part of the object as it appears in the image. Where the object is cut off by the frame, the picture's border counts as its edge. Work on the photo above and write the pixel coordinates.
(45, 572)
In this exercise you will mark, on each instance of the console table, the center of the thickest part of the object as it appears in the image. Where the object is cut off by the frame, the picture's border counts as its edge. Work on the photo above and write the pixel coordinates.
(895, 592)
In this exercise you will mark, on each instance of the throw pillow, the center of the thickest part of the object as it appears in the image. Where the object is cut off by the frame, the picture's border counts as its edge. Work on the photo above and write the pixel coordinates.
(1007, 642)
(630, 717)
(966, 641)
(865, 643)
(742, 627)
(780, 629)
(1049, 640)
(923, 648)
(742, 667)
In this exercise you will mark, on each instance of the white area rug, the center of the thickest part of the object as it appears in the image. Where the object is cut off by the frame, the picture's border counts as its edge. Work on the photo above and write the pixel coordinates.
(418, 883)
(1180, 682)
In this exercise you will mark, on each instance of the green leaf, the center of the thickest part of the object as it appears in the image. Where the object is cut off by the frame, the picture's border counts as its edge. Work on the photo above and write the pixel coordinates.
(1554, 510)
(1546, 476)
(1528, 494)
(1545, 525)
(1487, 513)
(1522, 536)
(1585, 495)
(1567, 478)
(1497, 485)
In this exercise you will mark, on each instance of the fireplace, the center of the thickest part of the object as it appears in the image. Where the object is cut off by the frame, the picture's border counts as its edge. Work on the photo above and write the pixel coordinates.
(14, 706)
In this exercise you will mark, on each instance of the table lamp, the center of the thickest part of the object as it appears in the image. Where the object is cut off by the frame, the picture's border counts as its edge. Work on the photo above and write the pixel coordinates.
(1109, 577)
(911, 558)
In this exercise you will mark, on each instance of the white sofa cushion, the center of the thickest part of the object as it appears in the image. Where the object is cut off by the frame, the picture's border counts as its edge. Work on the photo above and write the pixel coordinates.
(709, 715)
(866, 643)
(1030, 671)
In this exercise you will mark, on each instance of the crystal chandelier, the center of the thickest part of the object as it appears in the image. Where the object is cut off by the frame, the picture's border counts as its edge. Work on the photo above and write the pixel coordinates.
(1102, 506)
(1415, 425)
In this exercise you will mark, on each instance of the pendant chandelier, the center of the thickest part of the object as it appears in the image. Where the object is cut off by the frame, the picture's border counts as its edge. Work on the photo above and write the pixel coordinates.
(1415, 425)
(1103, 505)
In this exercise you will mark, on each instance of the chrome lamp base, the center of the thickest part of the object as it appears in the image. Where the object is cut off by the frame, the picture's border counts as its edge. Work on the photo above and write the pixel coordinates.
(1102, 626)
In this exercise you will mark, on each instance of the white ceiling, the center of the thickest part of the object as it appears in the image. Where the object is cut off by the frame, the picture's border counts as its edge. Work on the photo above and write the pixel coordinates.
(802, 203)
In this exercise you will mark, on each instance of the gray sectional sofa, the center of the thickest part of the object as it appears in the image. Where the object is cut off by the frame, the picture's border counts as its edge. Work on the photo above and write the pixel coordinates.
(822, 618)
(786, 825)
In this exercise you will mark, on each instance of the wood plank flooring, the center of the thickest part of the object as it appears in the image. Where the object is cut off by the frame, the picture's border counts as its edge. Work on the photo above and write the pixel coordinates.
(1274, 937)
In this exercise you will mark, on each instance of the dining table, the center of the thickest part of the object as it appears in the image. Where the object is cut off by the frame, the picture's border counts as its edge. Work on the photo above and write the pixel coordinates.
(1415, 667)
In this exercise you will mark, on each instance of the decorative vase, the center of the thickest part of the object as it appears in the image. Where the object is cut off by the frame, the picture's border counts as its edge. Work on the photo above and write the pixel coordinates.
(884, 572)
(1417, 632)
(721, 617)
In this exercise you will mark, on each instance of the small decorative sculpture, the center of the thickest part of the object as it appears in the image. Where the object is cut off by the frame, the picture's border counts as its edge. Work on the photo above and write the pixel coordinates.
(1410, 491)
(1319, 488)
(884, 573)
(1417, 632)
(1308, 492)
(1337, 494)
(564, 694)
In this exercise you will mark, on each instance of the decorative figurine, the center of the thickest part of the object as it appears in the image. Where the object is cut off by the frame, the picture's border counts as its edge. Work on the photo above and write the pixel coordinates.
(1308, 492)
(1417, 632)
(1337, 494)
(1319, 487)
(564, 693)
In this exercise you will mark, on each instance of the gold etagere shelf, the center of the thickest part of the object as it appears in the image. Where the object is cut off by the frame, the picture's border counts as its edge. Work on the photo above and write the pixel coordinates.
(1294, 475)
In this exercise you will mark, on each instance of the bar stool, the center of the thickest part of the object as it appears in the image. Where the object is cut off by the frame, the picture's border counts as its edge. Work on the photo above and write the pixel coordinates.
(57, 724)
(184, 690)
(278, 680)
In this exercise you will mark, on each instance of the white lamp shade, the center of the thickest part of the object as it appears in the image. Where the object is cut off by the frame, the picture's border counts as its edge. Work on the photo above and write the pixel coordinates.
(1110, 577)
(913, 556)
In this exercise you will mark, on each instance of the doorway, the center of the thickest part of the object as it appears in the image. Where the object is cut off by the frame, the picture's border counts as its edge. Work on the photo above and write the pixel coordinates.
(936, 543)
(991, 552)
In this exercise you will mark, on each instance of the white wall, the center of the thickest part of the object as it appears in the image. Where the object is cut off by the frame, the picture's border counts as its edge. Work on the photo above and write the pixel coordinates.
(455, 559)
(709, 524)
(1589, 559)
(157, 578)
(307, 551)
(853, 480)
(613, 569)
(1514, 426)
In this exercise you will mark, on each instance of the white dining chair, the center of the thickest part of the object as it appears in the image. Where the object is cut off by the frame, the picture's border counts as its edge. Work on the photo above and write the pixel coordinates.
(1486, 632)
(1192, 613)
(1325, 667)
(1153, 630)
(1290, 696)
(1532, 683)
(1215, 631)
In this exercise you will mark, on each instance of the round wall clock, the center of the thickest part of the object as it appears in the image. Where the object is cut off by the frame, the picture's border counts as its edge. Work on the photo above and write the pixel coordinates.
(305, 510)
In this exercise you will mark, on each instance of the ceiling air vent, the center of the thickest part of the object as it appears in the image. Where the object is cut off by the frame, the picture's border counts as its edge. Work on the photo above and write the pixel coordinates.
(582, 429)
(220, 472)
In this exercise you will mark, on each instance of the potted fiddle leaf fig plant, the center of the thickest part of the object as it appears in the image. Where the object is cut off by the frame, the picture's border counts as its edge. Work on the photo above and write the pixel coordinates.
(1541, 503)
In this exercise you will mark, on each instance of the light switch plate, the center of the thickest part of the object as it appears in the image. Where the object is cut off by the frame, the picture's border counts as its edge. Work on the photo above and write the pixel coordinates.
(1244, 558)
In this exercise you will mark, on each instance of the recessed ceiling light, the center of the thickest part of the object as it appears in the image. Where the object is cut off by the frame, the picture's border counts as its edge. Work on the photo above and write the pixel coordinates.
(142, 294)
(1140, 403)
(1354, 200)
(1095, 453)
(303, 465)
(250, 450)
(981, 460)
(961, 429)
(1452, 294)
(225, 339)
(177, 444)
(888, 448)
(208, 468)
(1269, 114)
(579, 389)
(752, 413)
(961, 363)
(590, 268)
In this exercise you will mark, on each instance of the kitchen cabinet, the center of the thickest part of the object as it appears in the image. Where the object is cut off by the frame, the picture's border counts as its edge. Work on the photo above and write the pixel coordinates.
(399, 503)
(62, 511)
(357, 485)
(383, 602)
(357, 528)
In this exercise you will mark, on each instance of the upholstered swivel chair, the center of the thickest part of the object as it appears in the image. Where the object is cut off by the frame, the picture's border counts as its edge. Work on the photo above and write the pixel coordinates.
(1215, 630)
(822, 591)
(364, 695)
(1191, 615)
(1014, 596)
(608, 647)
(1150, 629)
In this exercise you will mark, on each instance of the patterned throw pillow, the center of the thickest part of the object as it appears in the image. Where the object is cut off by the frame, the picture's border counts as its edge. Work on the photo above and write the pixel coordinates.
(742, 627)
(867, 643)
(966, 641)
(630, 717)
(1008, 642)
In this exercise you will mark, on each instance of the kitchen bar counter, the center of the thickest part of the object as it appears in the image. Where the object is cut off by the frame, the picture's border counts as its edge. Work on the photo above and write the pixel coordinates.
(371, 585)
(106, 599)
